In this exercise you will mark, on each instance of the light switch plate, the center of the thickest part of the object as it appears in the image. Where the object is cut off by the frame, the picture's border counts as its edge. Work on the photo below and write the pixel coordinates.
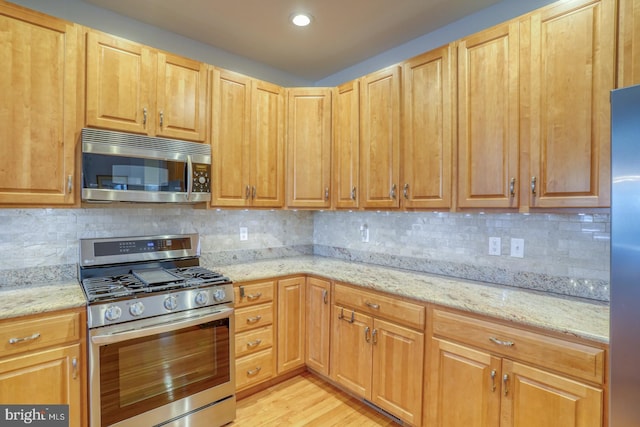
(494, 246)
(244, 233)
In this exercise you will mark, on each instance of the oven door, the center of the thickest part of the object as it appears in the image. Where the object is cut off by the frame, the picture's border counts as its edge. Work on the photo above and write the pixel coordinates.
(154, 370)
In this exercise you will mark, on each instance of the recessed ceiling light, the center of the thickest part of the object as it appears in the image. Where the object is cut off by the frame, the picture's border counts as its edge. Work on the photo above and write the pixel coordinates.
(301, 19)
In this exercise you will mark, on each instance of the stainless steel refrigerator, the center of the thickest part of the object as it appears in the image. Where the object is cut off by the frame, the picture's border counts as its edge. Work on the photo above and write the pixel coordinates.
(625, 258)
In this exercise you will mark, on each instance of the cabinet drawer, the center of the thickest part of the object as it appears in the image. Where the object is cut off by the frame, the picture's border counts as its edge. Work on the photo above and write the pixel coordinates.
(254, 293)
(18, 335)
(253, 369)
(254, 340)
(403, 312)
(574, 359)
(253, 317)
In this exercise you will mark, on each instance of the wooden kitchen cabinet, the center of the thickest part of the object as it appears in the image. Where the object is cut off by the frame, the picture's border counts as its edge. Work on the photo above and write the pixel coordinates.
(487, 374)
(628, 43)
(40, 86)
(380, 138)
(254, 318)
(318, 320)
(377, 350)
(47, 365)
(291, 323)
(488, 127)
(567, 72)
(134, 88)
(309, 147)
(247, 134)
(346, 145)
(427, 135)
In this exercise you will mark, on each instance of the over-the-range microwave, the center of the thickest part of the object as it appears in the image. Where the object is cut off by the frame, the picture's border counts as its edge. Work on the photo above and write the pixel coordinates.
(124, 167)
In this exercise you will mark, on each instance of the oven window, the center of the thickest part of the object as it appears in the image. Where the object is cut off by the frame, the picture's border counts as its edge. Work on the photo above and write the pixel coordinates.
(146, 373)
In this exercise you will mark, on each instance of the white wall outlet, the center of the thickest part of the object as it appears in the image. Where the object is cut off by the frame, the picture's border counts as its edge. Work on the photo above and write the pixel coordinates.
(244, 233)
(364, 232)
(494, 246)
(517, 248)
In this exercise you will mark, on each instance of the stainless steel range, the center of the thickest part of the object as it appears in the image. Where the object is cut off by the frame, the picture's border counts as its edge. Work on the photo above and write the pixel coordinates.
(161, 339)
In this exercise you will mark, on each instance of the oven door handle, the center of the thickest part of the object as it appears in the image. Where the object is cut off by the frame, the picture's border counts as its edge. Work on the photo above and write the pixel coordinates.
(172, 325)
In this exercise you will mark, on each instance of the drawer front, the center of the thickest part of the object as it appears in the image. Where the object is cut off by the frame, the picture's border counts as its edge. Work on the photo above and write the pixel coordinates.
(254, 340)
(574, 359)
(253, 317)
(402, 312)
(18, 335)
(253, 369)
(254, 293)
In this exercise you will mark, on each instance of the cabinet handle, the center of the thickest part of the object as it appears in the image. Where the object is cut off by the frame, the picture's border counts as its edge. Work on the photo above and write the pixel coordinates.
(74, 365)
(255, 343)
(254, 319)
(253, 297)
(493, 380)
(325, 296)
(241, 291)
(69, 184)
(29, 338)
(326, 193)
(247, 192)
(501, 342)
(161, 118)
(367, 337)
(253, 192)
(372, 305)
(512, 187)
(252, 372)
(505, 381)
(405, 191)
(353, 193)
(533, 185)
(341, 316)
(144, 117)
(374, 336)
(392, 193)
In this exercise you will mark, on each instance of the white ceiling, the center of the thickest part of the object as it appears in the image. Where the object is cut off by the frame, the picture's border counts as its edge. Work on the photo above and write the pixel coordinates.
(343, 32)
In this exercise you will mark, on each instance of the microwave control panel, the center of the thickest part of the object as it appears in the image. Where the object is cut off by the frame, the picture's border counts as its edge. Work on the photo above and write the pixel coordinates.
(201, 178)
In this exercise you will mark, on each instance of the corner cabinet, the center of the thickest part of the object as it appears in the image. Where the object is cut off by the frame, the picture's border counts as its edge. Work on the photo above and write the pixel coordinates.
(309, 148)
(628, 43)
(291, 323)
(40, 86)
(318, 320)
(247, 141)
(134, 88)
(346, 145)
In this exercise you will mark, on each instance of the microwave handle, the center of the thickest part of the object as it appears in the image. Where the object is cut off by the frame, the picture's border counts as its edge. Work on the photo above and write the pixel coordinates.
(189, 178)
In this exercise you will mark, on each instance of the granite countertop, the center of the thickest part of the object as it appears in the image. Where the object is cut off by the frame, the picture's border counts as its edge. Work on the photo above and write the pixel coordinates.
(23, 301)
(567, 315)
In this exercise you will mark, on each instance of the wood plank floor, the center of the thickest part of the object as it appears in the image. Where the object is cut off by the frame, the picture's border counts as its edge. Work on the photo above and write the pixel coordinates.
(305, 400)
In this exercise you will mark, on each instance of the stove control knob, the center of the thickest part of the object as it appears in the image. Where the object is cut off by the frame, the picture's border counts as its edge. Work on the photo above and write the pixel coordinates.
(136, 309)
(171, 302)
(219, 294)
(113, 312)
(202, 298)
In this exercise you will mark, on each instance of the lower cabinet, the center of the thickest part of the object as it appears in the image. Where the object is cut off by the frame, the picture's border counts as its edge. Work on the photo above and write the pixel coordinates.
(318, 313)
(291, 323)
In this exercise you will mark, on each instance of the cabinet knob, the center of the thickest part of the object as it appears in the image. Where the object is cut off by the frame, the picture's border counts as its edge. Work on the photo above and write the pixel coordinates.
(161, 118)
(353, 193)
(144, 117)
(325, 296)
(533, 185)
(392, 193)
(512, 187)
(493, 380)
(326, 193)
(505, 381)
(405, 191)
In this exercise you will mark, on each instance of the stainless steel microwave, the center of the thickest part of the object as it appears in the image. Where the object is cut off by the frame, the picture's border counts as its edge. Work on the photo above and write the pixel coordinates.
(123, 167)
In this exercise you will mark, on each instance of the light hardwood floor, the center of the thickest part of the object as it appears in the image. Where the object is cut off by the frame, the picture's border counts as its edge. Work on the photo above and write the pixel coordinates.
(305, 400)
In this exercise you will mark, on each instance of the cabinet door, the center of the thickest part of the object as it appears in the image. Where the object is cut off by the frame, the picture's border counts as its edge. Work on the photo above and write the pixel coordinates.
(380, 143)
(535, 398)
(181, 97)
(572, 71)
(308, 148)
(629, 43)
(120, 84)
(351, 361)
(267, 145)
(44, 377)
(398, 360)
(230, 143)
(318, 325)
(346, 145)
(39, 88)
(488, 118)
(291, 323)
(463, 387)
(427, 135)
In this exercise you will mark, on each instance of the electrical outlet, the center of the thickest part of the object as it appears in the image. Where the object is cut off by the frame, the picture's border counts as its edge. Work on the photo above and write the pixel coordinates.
(517, 248)
(494, 246)
(364, 232)
(244, 233)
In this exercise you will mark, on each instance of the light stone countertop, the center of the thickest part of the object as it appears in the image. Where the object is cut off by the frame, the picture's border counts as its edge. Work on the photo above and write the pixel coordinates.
(23, 301)
(571, 316)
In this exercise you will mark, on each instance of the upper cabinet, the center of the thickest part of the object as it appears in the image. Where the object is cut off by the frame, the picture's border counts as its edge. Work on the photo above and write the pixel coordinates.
(488, 137)
(629, 43)
(380, 138)
(133, 88)
(40, 85)
(427, 130)
(247, 141)
(346, 145)
(309, 148)
(566, 79)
